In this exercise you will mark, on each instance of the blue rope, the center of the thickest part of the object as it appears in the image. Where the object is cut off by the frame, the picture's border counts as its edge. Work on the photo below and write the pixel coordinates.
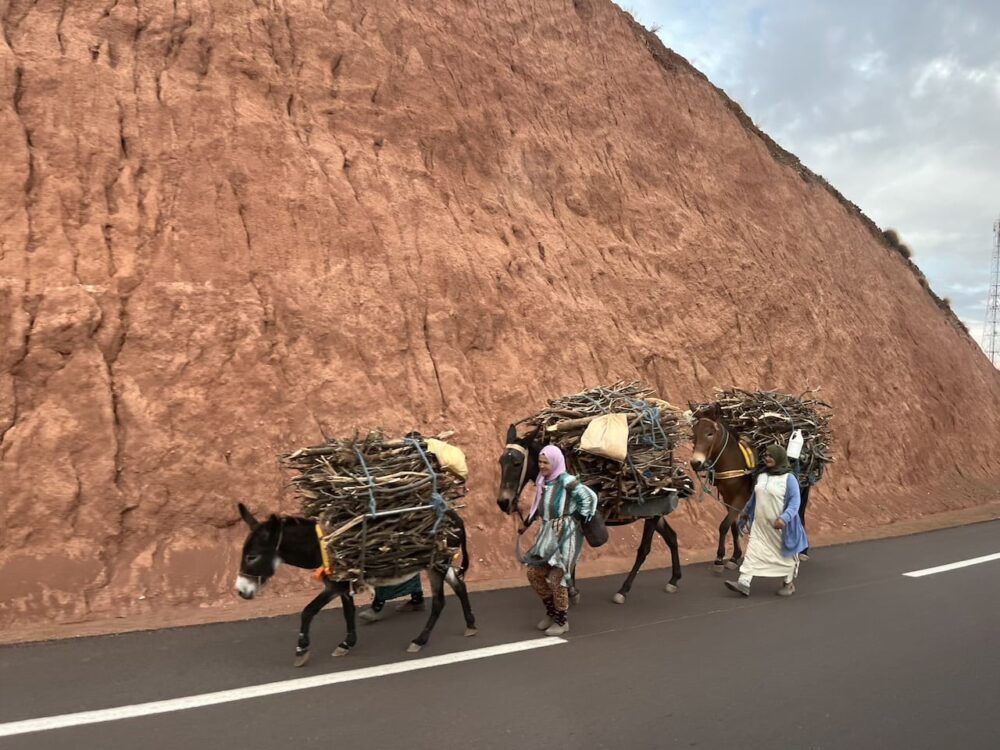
(372, 505)
(436, 499)
(652, 413)
(650, 423)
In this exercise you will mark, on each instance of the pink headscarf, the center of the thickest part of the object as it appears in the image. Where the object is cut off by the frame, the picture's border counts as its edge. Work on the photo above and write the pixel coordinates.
(558, 462)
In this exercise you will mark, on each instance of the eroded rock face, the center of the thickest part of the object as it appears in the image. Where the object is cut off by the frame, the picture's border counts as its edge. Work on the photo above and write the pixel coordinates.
(226, 228)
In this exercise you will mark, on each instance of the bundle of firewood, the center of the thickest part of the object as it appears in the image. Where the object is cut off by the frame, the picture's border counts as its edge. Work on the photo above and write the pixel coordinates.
(654, 429)
(766, 417)
(381, 503)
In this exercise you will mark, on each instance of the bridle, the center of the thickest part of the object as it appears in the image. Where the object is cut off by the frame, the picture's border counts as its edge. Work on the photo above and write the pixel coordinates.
(710, 468)
(281, 535)
(522, 480)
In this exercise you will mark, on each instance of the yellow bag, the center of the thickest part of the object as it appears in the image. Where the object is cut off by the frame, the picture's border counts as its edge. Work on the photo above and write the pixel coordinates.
(449, 457)
(663, 405)
(607, 436)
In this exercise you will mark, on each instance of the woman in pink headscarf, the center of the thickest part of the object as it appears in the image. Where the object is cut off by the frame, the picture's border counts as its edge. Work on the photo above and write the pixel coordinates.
(562, 504)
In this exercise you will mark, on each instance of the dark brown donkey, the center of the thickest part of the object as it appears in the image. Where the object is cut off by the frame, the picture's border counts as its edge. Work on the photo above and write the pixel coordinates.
(729, 466)
(295, 541)
(519, 463)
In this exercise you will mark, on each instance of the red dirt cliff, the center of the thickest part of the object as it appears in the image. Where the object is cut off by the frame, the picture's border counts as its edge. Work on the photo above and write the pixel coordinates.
(227, 226)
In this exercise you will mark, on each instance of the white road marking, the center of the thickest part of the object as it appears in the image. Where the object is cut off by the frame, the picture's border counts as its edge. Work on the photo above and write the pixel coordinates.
(951, 566)
(62, 721)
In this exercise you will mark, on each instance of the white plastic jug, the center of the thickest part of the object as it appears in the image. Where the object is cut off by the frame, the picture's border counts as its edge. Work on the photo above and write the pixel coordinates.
(795, 444)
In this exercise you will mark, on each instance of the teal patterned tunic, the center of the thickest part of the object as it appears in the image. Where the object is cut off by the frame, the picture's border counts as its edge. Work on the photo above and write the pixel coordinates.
(560, 540)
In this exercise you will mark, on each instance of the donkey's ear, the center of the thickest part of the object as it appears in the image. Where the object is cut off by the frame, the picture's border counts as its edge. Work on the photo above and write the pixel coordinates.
(271, 527)
(511, 434)
(247, 516)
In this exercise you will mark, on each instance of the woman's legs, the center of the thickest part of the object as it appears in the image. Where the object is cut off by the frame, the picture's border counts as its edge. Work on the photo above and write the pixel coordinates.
(560, 595)
(415, 589)
(547, 583)
(788, 584)
(538, 577)
(539, 580)
(374, 613)
(742, 584)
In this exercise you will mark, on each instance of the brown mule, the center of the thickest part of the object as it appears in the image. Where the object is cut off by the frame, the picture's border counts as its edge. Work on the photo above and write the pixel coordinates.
(728, 466)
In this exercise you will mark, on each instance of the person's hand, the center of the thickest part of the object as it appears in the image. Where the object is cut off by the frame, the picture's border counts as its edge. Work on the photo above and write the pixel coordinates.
(779, 523)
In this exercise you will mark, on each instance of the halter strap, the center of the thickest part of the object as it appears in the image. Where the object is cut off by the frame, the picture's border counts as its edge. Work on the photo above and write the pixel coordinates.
(277, 547)
(524, 470)
(281, 535)
(710, 469)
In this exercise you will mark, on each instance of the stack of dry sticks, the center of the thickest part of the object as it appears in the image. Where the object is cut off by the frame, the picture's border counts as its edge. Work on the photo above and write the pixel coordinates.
(655, 428)
(381, 503)
(766, 417)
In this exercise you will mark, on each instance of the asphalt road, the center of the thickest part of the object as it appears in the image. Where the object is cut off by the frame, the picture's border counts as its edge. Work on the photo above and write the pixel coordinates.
(861, 657)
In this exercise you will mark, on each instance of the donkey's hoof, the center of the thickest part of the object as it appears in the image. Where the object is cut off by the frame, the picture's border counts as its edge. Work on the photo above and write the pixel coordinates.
(670, 588)
(341, 651)
(301, 659)
(718, 569)
(732, 565)
(618, 598)
(413, 648)
(576, 598)
(469, 632)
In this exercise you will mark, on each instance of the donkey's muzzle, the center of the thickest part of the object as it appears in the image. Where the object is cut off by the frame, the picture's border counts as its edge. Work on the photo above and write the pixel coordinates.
(246, 587)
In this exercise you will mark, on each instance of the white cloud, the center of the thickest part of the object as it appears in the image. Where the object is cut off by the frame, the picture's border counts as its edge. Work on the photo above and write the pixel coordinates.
(870, 64)
(896, 103)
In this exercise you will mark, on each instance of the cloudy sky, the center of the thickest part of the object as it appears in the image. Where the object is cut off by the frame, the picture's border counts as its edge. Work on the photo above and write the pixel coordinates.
(895, 102)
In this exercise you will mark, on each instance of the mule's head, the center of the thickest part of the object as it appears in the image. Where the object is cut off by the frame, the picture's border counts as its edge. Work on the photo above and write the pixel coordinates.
(518, 464)
(707, 438)
(260, 558)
